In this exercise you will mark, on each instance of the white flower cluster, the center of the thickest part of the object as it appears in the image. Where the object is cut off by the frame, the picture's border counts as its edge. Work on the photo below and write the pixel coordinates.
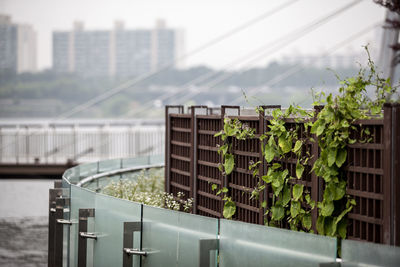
(148, 188)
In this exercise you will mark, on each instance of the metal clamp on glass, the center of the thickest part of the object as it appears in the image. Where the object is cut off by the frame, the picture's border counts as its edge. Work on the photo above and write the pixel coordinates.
(62, 221)
(135, 251)
(84, 235)
(129, 229)
(88, 235)
(205, 246)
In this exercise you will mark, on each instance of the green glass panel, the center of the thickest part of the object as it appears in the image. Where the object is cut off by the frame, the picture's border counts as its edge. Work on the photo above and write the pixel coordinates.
(244, 244)
(72, 175)
(110, 165)
(81, 198)
(157, 159)
(133, 162)
(86, 170)
(356, 253)
(172, 237)
(111, 213)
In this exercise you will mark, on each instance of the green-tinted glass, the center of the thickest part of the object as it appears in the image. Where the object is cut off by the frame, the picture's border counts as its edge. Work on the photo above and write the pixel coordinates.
(356, 253)
(80, 199)
(172, 238)
(133, 162)
(244, 244)
(72, 174)
(157, 159)
(86, 170)
(111, 213)
(110, 165)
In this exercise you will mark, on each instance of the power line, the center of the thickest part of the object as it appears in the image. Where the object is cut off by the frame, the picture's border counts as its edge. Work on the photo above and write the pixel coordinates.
(299, 67)
(252, 56)
(143, 77)
(278, 45)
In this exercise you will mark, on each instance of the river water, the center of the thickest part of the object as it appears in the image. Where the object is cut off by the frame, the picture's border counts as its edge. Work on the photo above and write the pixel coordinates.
(23, 222)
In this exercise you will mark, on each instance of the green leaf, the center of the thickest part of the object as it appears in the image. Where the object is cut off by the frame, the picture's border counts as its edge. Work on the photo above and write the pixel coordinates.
(224, 190)
(341, 157)
(306, 221)
(220, 167)
(229, 209)
(330, 226)
(269, 152)
(340, 190)
(276, 113)
(213, 187)
(315, 126)
(278, 212)
(229, 163)
(342, 228)
(297, 146)
(276, 166)
(375, 110)
(224, 149)
(297, 191)
(267, 178)
(285, 195)
(285, 144)
(218, 134)
(344, 212)
(320, 129)
(308, 198)
(351, 141)
(295, 208)
(264, 205)
(276, 183)
(331, 156)
(277, 186)
(321, 225)
(299, 170)
(327, 209)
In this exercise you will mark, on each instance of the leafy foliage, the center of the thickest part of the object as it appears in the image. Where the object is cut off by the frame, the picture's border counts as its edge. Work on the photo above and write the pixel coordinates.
(232, 129)
(330, 128)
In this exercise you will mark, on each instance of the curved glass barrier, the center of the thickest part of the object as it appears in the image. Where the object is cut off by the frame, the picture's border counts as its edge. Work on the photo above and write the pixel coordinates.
(242, 244)
(356, 253)
(100, 230)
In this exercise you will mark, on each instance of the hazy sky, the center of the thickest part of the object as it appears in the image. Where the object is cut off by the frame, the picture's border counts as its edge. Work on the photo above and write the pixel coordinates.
(202, 21)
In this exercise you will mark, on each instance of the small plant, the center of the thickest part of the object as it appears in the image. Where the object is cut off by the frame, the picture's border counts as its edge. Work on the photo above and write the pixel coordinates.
(148, 188)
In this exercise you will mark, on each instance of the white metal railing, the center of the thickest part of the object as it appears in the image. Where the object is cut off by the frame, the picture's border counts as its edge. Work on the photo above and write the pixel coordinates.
(79, 144)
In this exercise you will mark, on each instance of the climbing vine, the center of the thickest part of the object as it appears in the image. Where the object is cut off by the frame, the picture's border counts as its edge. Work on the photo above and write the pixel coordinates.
(232, 129)
(290, 200)
(330, 129)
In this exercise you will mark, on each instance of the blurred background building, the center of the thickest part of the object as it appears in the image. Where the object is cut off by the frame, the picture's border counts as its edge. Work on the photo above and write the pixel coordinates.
(120, 51)
(18, 51)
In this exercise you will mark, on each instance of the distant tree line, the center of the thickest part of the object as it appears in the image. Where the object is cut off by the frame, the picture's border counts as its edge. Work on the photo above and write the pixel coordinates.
(21, 95)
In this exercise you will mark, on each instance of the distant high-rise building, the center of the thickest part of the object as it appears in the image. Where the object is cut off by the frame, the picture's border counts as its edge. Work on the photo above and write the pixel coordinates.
(118, 52)
(17, 46)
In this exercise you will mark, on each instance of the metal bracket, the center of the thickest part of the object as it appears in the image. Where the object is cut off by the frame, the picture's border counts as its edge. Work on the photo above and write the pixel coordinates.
(129, 229)
(135, 251)
(63, 221)
(88, 235)
(205, 246)
(83, 235)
